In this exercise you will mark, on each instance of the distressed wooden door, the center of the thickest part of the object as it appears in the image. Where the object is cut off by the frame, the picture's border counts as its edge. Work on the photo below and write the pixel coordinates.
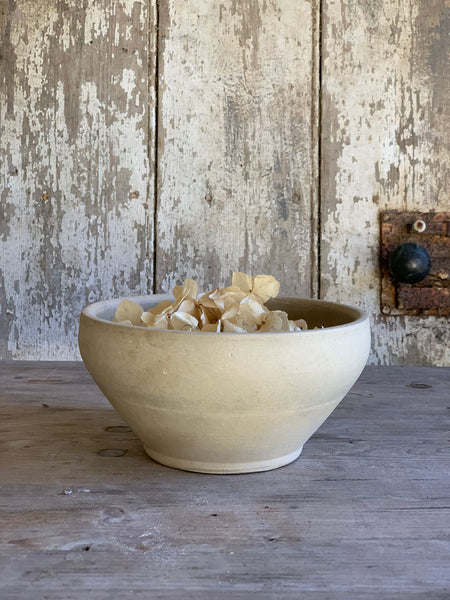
(237, 142)
(145, 141)
(142, 144)
(385, 90)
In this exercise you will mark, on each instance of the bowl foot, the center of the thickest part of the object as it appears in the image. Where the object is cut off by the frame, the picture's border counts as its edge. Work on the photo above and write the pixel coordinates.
(223, 468)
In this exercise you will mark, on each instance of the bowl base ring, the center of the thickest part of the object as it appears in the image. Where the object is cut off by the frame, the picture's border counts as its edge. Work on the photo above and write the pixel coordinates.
(223, 468)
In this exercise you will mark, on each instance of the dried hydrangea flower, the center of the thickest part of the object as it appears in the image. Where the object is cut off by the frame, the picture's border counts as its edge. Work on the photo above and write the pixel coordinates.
(275, 320)
(260, 288)
(248, 316)
(177, 315)
(238, 308)
(222, 298)
(242, 302)
(148, 318)
(183, 321)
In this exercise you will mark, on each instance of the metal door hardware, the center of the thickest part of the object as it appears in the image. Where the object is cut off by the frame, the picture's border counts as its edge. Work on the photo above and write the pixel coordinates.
(415, 263)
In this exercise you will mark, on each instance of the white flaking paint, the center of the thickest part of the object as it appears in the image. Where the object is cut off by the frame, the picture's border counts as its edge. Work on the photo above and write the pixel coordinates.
(80, 186)
(379, 153)
(235, 166)
(237, 154)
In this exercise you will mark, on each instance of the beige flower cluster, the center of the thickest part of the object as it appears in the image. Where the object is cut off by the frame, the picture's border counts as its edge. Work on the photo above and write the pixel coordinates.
(238, 308)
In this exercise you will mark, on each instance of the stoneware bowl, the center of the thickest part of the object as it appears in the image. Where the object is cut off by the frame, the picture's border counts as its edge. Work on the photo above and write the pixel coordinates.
(226, 402)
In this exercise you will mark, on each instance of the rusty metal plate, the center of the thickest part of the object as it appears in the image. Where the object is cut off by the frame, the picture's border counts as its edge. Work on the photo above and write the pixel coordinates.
(431, 296)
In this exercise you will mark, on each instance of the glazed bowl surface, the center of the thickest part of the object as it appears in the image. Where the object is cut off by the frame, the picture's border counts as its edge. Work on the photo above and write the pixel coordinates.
(226, 402)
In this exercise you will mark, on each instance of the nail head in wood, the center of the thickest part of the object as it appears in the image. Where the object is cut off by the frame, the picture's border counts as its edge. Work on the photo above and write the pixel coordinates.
(112, 452)
(118, 429)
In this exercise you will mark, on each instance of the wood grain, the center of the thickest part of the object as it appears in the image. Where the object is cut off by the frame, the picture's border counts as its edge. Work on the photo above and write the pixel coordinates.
(360, 515)
(236, 156)
(385, 130)
(76, 160)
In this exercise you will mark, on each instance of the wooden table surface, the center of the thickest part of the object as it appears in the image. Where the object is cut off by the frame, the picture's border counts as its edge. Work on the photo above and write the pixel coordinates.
(363, 513)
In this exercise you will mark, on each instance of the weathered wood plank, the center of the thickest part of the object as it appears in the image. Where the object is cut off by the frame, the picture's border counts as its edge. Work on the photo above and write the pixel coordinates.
(238, 106)
(76, 162)
(359, 515)
(237, 142)
(385, 130)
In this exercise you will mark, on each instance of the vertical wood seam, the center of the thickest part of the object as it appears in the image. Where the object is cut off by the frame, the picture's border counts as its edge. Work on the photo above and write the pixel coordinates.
(156, 143)
(412, 194)
(316, 147)
(319, 153)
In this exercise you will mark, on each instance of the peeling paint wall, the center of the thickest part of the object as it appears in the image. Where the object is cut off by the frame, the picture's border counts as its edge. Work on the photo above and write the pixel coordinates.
(385, 131)
(237, 171)
(75, 166)
(142, 142)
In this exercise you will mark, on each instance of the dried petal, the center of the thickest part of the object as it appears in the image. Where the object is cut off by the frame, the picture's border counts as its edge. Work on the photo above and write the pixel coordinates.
(182, 321)
(231, 311)
(128, 311)
(229, 327)
(148, 318)
(207, 301)
(160, 307)
(250, 314)
(252, 308)
(265, 287)
(276, 320)
(261, 287)
(225, 297)
(245, 322)
(243, 282)
(160, 322)
(190, 307)
(301, 324)
(272, 322)
(209, 315)
(189, 289)
(293, 326)
(284, 319)
(152, 316)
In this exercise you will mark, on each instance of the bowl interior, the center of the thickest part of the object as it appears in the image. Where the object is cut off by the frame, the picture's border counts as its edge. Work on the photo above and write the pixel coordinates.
(106, 309)
(317, 313)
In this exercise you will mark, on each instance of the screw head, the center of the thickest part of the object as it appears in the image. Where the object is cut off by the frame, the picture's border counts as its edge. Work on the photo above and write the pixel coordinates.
(419, 226)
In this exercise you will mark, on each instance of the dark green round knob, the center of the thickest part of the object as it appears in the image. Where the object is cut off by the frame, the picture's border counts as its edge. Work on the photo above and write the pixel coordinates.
(410, 263)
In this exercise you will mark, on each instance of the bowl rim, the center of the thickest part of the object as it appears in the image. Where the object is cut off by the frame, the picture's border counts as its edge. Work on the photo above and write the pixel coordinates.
(89, 312)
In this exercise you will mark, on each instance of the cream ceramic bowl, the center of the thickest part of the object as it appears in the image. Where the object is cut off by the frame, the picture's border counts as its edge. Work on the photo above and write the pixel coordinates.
(226, 402)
